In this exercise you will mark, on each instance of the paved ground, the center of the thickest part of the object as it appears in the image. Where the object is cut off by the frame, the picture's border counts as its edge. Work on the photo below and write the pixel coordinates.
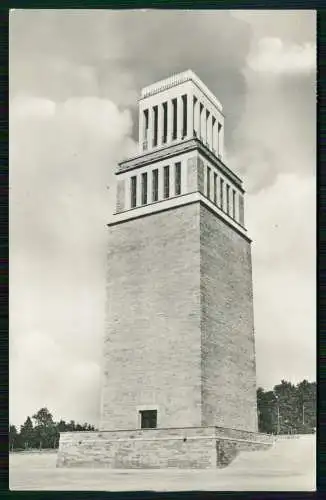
(289, 465)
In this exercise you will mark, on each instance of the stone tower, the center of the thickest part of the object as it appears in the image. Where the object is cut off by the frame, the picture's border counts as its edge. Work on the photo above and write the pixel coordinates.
(179, 344)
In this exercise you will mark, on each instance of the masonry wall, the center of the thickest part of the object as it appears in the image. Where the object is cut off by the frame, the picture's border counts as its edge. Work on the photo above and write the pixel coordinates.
(204, 447)
(152, 344)
(228, 354)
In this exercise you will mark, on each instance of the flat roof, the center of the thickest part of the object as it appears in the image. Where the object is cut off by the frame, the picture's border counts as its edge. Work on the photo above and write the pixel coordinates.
(174, 80)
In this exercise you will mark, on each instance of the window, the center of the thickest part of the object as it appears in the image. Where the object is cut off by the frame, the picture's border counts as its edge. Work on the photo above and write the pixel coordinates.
(165, 122)
(219, 128)
(185, 118)
(206, 127)
(228, 199)
(145, 143)
(215, 189)
(166, 182)
(175, 119)
(241, 210)
(233, 203)
(178, 178)
(148, 419)
(213, 134)
(144, 189)
(155, 185)
(133, 200)
(222, 194)
(208, 182)
(194, 112)
(155, 116)
(201, 107)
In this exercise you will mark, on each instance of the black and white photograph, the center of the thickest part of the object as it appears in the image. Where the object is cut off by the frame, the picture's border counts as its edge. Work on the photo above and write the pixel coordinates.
(162, 229)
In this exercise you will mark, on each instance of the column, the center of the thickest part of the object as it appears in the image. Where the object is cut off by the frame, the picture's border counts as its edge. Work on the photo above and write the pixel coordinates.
(179, 118)
(213, 134)
(221, 142)
(170, 121)
(209, 131)
(190, 115)
(160, 124)
(200, 121)
(196, 115)
(139, 190)
(160, 183)
(172, 179)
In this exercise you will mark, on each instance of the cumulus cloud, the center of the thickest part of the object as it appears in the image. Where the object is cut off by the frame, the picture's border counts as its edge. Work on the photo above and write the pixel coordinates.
(281, 221)
(273, 56)
(62, 158)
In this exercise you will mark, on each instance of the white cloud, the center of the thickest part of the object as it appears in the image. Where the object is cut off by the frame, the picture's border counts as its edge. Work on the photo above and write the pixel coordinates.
(281, 221)
(272, 56)
(63, 155)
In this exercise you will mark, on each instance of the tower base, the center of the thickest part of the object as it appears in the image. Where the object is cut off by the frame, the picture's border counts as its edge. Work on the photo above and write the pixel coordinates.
(186, 448)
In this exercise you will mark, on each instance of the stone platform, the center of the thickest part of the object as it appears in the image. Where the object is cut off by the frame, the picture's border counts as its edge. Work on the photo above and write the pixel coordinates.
(186, 448)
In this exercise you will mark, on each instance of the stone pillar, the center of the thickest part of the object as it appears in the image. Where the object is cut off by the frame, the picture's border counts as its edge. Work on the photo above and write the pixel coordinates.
(200, 120)
(138, 190)
(190, 115)
(213, 134)
(160, 183)
(160, 124)
(209, 131)
(196, 117)
(219, 129)
(179, 118)
(170, 120)
(150, 128)
(221, 142)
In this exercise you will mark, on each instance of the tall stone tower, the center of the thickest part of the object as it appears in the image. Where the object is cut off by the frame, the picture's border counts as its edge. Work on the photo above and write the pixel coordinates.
(179, 344)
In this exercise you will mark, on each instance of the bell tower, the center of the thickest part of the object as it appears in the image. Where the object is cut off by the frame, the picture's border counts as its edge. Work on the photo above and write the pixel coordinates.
(179, 343)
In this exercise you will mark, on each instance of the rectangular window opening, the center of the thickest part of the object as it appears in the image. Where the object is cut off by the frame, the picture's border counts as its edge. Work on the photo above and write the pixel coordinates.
(233, 203)
(228, 199)
(133, 200)
(208, 182)
(145, 142)
(148, 419)
(184, 114)
(175, 118)
(165, 122)
(144, 189)
(195, 101)
(219, 128)
(222, 194)
(155, 130)
(178, 178)
(166, 182)
(155, 185)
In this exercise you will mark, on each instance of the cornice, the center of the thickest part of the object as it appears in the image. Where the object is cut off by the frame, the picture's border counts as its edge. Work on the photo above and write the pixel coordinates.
(185, 146)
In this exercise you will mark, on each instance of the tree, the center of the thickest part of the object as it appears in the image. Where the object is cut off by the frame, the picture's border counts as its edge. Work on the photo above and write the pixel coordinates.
(27, 434)
(13, 437)
(45, 429)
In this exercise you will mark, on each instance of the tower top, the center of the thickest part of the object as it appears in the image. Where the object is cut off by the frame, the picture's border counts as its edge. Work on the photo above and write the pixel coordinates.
(177, 79)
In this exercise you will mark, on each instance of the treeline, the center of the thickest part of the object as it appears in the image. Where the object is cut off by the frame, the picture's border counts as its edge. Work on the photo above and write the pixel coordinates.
(288, 408)
(41, 432)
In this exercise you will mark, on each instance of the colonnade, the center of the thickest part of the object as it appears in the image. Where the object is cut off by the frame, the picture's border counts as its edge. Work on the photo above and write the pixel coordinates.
(183, 117)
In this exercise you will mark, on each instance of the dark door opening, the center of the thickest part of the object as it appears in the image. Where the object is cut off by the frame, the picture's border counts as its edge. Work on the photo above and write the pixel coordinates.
(148, 419)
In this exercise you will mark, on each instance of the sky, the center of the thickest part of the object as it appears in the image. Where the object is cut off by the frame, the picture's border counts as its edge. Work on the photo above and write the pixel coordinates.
(75, 77)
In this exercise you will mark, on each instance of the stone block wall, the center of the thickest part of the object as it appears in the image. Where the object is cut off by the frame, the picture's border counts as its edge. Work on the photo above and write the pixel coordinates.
(152, 344)
(228, 354)
(152, 448)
